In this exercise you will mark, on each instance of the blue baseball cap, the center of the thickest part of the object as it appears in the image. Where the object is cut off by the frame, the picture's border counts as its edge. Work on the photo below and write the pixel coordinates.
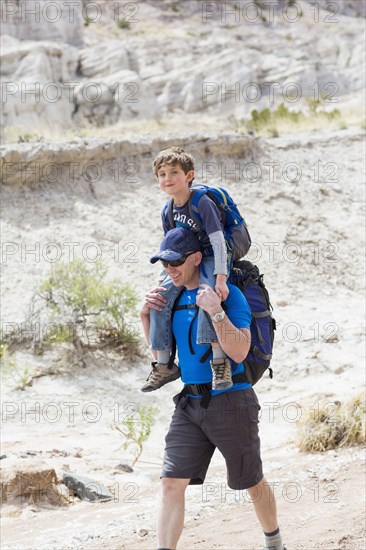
(178, 242)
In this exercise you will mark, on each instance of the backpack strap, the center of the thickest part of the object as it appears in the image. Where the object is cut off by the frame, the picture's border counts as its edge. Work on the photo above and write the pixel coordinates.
(169, 213)
(174, 342)
(193, 210)
(188, 306)
(219, 205)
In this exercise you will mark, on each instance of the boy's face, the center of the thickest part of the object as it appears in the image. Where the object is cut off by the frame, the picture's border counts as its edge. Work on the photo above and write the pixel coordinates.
(173, 180)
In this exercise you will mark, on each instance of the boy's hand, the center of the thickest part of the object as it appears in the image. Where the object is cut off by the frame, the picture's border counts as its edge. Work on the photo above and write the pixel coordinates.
(153, 300)
(221, 287)
(208, 300)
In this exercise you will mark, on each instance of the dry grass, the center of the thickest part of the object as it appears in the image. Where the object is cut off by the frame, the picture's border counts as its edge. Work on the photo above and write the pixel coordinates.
(161, 126)
(333, 424)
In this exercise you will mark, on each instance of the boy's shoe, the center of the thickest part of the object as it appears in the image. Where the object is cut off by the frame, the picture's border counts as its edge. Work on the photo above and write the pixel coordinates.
(160, 375)
(221, 374)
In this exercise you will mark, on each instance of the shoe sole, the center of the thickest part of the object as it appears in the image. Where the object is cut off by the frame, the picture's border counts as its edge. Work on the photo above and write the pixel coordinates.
(165, 381)
(222, 387)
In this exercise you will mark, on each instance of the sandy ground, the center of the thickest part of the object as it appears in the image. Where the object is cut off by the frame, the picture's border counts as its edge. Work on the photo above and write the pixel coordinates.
(318, 355)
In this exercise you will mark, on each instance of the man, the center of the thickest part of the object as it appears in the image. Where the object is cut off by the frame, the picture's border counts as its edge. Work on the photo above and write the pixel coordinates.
(205, 419)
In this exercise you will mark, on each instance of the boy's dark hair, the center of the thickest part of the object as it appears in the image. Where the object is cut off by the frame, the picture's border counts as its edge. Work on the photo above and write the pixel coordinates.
(172, 156)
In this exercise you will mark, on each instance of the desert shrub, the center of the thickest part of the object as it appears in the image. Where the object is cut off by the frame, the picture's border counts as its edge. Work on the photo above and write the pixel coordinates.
(282, 119)
(20, 375)
(123, 24)
(136, 428)
(77, 294)
(76, 303)
(333, 425)
(28, 137)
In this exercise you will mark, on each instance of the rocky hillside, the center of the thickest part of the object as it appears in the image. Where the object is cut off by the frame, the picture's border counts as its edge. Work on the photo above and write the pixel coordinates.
(101, 63)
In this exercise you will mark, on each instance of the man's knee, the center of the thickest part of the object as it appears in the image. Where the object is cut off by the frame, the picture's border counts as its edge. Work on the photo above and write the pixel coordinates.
(256, 491)
(171, 485)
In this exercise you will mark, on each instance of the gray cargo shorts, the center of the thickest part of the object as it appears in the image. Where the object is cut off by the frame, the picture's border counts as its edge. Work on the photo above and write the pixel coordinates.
(230, 424)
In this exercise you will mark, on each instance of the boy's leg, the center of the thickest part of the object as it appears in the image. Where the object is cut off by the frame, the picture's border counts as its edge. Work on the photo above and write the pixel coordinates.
(161, 340)
(220, 364)
(160, 321)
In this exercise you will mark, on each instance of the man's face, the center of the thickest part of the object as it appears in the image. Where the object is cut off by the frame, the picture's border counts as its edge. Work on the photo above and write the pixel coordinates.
(188, 273)
(172, 179)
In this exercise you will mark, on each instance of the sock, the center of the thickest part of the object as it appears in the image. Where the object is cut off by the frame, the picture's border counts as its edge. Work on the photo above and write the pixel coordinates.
(164, 356)
(273, 541)
(218, 353)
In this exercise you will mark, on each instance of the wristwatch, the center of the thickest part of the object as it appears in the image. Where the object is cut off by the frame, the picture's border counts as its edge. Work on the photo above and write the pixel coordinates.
(218, 317)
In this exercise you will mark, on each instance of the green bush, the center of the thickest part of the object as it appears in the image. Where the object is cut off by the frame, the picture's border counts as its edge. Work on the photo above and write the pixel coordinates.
(28, 138)
(9, 368)
(82, 305)
(137, 429)
(271, 122)
(123, 24)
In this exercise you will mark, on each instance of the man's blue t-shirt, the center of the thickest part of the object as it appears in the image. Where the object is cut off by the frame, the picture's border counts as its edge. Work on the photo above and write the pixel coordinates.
(194, 372)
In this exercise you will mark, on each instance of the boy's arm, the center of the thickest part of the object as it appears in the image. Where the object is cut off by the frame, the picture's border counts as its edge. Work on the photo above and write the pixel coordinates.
(218, 244)
(212, 225)
(211, 219)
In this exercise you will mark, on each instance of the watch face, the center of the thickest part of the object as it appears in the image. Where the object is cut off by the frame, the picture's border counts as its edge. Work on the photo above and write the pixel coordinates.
(218, 317)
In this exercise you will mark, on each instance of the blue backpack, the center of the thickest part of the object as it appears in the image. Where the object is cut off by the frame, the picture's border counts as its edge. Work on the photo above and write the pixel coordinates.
(235, 229)
(247, 278)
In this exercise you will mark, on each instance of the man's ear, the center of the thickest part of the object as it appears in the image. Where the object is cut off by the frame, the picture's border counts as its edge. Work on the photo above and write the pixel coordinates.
(197, 258)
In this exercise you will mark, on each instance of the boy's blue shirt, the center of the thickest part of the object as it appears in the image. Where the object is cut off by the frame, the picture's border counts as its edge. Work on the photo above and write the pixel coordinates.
(209, 212)
(194, 372)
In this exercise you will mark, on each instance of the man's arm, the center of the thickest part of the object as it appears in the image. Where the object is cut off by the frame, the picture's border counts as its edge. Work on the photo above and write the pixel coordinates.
(234, 341)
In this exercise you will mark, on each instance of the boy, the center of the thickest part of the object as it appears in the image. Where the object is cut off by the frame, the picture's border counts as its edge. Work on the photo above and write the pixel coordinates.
(174, 169)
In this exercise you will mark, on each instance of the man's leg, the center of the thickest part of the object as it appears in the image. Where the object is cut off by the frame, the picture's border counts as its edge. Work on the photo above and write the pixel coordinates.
(171, 512)
(265, 507)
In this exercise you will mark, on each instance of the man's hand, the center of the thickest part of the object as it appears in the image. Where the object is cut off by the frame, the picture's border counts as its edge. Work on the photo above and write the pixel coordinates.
(208, 300)
(153, 300)
(221, 287)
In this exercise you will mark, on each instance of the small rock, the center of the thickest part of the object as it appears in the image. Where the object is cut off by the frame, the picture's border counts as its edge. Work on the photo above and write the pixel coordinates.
(334, 339)
(86, 488)
(2, 456)
(124, 468)
(281, 303)
(143, 532)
